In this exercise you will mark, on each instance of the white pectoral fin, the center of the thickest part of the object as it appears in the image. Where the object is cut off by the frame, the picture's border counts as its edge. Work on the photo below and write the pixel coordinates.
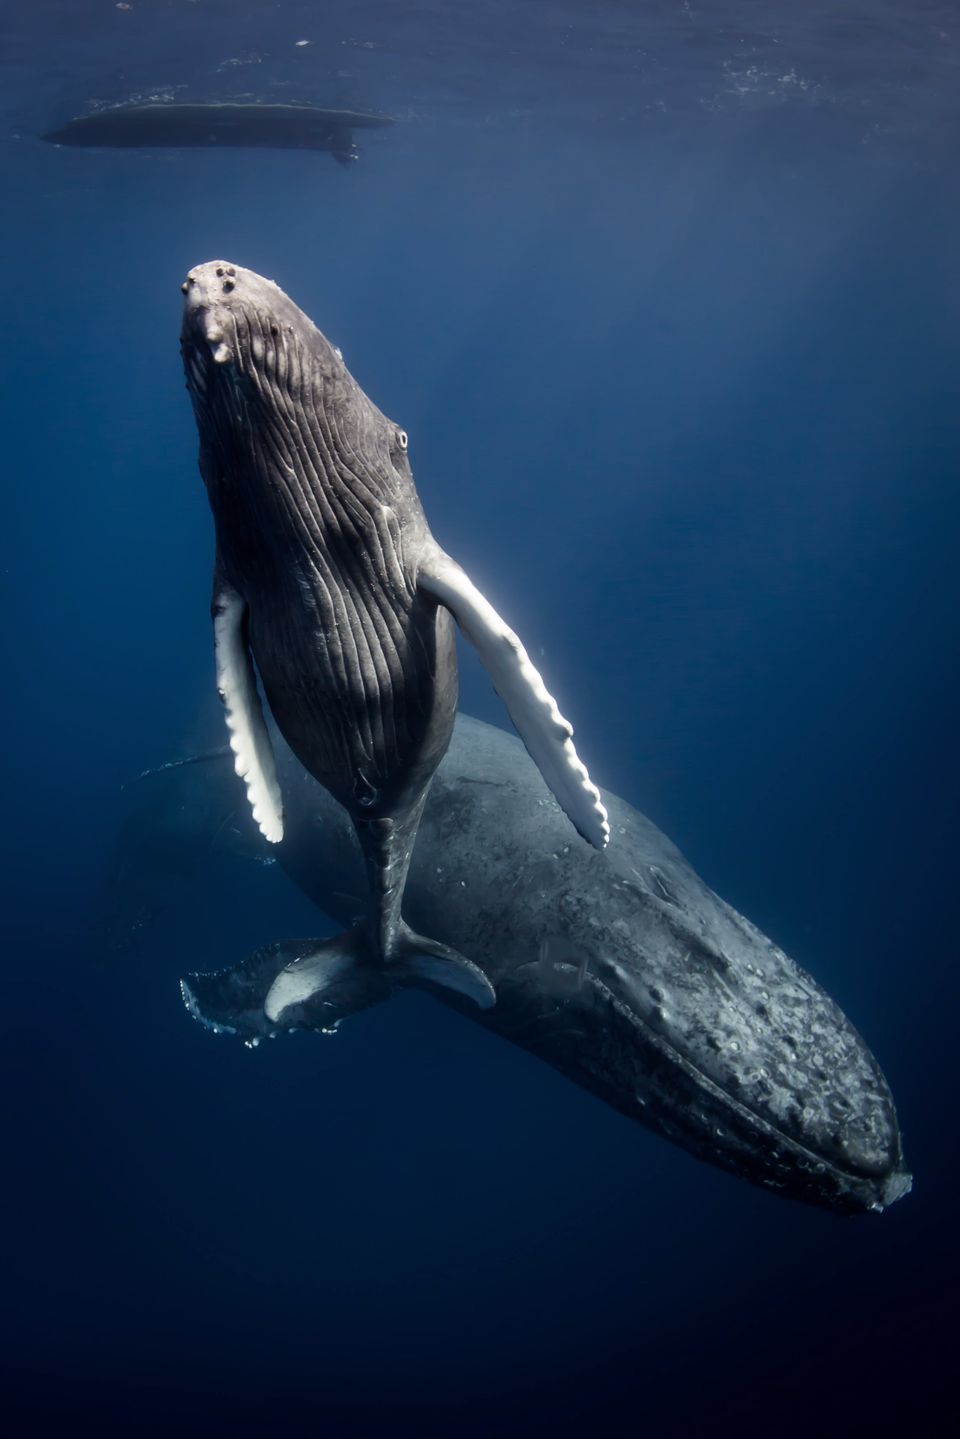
(539, 723)
(249, 738)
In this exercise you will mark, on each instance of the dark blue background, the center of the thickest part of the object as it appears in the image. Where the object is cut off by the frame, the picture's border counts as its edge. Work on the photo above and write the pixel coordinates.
(685, 405)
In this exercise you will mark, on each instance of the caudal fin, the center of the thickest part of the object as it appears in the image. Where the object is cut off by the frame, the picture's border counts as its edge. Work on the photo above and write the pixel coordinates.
(314, 984)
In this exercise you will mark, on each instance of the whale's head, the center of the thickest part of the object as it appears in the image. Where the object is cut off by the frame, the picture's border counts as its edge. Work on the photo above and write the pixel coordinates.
(693, 1021)
(240, 330)
(630, 975)
(271, 394)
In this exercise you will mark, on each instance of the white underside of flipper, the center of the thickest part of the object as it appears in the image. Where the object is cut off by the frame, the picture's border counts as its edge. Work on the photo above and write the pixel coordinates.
(249, 738)
(539, 723)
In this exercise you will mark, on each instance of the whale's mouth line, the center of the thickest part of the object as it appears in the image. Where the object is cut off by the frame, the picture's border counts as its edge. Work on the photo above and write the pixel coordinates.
(819, 1165)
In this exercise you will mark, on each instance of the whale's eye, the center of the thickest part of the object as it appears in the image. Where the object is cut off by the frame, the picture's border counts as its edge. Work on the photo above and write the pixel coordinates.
(402, 439)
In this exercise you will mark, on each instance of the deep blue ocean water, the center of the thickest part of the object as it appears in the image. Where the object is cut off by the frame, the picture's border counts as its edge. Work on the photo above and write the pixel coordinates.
(667, 298)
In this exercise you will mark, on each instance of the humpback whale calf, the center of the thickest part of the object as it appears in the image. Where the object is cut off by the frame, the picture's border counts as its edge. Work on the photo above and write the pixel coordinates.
(625, 972)
(328, 580)
(251, 125)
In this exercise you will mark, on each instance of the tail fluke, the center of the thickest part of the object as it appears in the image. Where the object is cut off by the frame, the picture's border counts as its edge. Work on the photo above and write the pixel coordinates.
(314, 984)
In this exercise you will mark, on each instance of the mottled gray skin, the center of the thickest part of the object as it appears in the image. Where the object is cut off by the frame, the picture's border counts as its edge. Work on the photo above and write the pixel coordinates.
(176, 126)
(622, 970)
(320, 529)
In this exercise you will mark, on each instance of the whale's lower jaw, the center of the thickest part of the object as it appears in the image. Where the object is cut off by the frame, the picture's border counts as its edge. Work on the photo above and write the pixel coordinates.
(715, 1127)
(642, 1074)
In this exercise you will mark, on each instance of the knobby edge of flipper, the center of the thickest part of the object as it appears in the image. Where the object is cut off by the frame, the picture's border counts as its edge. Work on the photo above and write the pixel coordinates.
(548, 737)
(314, 984)
(237, 686)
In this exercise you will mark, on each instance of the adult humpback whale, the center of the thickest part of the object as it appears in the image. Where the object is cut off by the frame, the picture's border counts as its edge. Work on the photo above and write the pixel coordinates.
(625, 972)
(327, 576)
(251, 125)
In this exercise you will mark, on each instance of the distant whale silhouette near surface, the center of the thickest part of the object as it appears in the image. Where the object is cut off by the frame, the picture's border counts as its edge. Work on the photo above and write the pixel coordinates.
(329, 586)
(251, 125)
(623, 971)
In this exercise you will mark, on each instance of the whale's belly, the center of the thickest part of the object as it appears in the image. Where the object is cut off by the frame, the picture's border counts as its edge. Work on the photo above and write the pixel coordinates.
(362, 684)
